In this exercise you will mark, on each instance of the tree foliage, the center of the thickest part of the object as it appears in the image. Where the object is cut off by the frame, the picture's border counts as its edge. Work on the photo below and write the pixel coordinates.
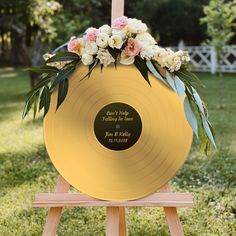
(220, 16)
(27, 25)
(169, 20)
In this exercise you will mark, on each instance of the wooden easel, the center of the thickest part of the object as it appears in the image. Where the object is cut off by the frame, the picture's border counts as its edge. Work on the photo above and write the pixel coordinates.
(115, 211)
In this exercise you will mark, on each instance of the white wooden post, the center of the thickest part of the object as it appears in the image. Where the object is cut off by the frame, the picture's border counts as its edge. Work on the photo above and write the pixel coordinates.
(214, 62)
(117, 9)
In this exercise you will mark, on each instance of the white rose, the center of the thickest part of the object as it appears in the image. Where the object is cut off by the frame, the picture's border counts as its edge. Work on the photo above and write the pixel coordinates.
(145, 39)
(104, 57)
(147, 52)
(179, 53)
(136, 26)
(102, 40)
(122, 33)
(161, 57)
(105, 29)
(87, 59)
(115, 41)
(177, 63)
(91, 48)
(125, 59)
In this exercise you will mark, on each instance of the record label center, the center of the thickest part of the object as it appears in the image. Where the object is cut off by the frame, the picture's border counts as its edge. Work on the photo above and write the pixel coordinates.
(117, 126)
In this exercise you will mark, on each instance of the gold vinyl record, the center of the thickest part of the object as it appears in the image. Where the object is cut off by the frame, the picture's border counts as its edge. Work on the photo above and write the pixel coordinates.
(115, 137)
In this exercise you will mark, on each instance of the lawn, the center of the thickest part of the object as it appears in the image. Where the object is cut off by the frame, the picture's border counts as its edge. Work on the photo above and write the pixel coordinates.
(25, 170)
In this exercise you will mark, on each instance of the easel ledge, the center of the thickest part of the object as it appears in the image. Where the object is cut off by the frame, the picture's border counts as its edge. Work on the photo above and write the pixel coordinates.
(115, 213)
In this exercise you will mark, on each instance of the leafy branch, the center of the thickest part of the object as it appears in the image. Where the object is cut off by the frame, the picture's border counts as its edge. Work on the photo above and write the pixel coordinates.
(40, 96)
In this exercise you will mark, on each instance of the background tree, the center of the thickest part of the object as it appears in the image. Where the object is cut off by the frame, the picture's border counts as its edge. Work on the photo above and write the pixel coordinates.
(27, 26)
(220, 16)
(169, 20)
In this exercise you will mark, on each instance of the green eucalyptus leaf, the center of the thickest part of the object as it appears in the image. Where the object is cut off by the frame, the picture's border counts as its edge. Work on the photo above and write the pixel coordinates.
(142, 67)
(188, 76)
(45, 100)
(170, 81)
(43, 69)
(91, 67)
(27, 107)
(62, 92)
(153, 69)
(180, 87)
(36, 103)
(63, 56)
(198, 101)
(44, 81)
(114, 52)
(192, 120)
(62, 75)
(208, 130)
(205, 144)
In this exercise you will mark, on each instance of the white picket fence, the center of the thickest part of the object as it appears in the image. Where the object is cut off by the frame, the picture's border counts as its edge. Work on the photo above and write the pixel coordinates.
(204, 58)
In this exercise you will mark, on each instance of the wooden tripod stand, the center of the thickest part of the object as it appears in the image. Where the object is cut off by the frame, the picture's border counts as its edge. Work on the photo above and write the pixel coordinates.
(115, 211)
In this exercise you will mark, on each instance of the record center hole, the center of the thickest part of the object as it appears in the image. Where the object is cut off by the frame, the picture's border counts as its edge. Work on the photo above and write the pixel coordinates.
(117, 126)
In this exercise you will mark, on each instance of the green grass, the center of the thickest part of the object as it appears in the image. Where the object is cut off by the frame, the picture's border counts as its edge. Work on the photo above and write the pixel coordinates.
(25, 170)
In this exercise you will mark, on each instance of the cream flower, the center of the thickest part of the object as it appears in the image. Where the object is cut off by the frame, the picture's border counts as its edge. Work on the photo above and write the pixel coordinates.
(161, 57)
(115, 41)
(147, 52)
(122, 33)
(136, 26)
(87, 59)
(125, 59)
(58, 65)
(145, 39)
(102, 40)
(91, 48)
(105, 29)
(105, 57)
(46, 56)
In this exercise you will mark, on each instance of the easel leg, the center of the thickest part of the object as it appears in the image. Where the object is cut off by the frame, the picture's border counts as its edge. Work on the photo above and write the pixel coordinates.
(115, 221)
(54, 214)
(172, 217)
(122, 222)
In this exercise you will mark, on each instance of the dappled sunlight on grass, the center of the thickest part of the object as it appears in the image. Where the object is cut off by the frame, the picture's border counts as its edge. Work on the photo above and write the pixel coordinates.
(8, 75)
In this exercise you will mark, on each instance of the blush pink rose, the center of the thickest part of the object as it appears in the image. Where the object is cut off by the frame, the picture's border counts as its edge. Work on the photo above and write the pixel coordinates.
(120, 22)
(133, 48)
(73, 44)
(91, 34)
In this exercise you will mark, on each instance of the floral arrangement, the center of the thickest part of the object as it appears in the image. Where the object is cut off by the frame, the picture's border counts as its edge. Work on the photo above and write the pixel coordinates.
(128, 42)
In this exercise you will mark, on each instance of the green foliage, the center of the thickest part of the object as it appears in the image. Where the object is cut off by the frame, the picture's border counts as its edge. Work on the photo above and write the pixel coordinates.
(220, 16)
(171, 21)
(41, 14)
(25, 170)
(77, 15)
(39, 97)
(35, 15)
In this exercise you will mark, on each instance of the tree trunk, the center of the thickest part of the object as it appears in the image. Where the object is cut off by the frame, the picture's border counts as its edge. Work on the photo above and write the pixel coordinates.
(21, 50)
